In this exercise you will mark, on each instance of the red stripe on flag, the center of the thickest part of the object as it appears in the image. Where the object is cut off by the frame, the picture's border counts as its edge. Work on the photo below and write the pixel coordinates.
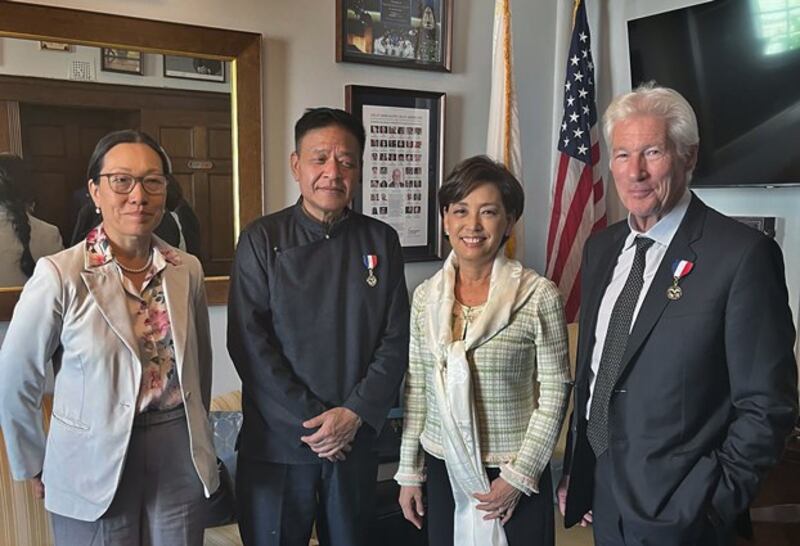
(601, 222)
(583, 191)
(563, 164)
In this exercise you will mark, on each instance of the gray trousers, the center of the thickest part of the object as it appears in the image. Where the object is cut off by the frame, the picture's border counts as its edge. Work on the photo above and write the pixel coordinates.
(159, 500)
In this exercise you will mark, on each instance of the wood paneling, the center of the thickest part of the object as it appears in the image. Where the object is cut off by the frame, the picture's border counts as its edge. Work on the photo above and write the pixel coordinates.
(38, 22)
(204, 172)
(57, 142)
(10, 131)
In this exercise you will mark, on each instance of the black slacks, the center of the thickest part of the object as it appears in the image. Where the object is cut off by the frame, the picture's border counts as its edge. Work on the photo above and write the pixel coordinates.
(531, 525)
(278, 503)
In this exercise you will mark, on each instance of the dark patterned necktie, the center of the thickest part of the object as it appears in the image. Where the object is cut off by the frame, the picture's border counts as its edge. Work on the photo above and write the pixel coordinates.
(619, 327)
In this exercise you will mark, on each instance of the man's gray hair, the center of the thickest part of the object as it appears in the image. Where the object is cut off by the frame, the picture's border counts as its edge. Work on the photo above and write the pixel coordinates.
(650, 99)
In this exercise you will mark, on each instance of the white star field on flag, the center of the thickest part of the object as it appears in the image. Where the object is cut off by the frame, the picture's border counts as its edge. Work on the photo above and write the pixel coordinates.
(579, 105)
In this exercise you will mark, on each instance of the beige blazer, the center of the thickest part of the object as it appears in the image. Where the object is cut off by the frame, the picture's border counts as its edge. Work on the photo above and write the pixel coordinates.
(77, 316)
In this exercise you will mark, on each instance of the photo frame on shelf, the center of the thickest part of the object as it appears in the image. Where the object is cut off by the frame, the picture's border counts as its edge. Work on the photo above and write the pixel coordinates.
(403, 163)
(194, 68)
(126, 61)
(403, 33)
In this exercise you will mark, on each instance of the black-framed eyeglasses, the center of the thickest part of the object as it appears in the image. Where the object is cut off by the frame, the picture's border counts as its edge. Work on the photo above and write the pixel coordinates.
(154, 184)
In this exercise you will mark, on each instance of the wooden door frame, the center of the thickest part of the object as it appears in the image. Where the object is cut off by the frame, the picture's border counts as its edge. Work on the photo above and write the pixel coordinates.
(242, 49)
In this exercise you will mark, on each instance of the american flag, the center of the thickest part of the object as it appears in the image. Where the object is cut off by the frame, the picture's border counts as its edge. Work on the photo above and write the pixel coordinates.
(578, 193)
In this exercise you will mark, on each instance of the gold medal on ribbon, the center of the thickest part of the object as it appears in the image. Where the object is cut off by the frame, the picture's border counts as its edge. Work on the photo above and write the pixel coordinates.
(680, 268)
(371, 262)
(674, 292)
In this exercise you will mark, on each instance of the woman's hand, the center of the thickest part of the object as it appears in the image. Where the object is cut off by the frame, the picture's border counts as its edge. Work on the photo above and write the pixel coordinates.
(37, 486)
(500, 501)
(411, 502)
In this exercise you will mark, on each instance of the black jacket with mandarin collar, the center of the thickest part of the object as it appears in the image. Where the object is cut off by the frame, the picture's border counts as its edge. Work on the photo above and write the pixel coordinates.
(307, 333)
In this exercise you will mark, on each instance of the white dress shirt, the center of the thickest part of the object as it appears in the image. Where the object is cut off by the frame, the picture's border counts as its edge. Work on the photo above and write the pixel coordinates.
(662, 233)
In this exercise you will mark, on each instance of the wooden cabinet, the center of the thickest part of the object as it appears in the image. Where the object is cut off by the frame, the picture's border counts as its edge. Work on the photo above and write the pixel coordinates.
(776, 510)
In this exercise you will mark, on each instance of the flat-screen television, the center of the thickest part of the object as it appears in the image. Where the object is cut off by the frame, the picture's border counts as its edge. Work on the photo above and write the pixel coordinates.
(738, 64)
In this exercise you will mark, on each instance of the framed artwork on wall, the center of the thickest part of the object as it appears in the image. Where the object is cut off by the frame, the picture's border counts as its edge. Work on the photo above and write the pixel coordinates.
(406, 33)
(126, 61)
(403, 163)
(194, 68)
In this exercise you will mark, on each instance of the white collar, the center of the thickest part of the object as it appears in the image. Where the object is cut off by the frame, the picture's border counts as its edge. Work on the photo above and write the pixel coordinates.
(664, 230)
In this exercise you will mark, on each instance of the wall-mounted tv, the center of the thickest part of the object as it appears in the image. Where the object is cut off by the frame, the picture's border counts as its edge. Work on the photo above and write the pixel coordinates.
(738, 64)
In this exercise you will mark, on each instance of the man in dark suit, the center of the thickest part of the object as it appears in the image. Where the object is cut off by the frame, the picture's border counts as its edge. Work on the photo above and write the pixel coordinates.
(318, 331)
(686, 381)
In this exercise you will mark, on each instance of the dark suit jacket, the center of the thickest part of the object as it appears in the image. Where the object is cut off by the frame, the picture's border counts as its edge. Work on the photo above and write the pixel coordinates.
(707, 393)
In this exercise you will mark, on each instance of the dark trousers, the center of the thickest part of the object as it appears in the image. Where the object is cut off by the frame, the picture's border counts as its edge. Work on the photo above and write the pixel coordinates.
(278, 503)
(610, 528)
(532, 522)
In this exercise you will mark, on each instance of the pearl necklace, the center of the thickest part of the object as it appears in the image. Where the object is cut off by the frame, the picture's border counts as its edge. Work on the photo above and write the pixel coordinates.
(135, 271)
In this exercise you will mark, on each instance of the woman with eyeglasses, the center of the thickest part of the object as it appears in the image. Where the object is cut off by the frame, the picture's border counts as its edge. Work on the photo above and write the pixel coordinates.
(129, 457)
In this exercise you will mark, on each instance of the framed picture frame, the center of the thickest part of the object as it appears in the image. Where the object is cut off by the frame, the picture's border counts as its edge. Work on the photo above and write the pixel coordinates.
(194, 68)
(403, 163)
(126, 61)
(404, 33)
(764, 224)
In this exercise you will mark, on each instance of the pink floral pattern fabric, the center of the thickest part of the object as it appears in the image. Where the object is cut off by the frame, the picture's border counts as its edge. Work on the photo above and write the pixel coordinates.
(160, 387)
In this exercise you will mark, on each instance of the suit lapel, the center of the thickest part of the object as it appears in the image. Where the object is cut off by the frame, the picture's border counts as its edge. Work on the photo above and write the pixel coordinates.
(106, 289)
(176, 295)
(656, 301)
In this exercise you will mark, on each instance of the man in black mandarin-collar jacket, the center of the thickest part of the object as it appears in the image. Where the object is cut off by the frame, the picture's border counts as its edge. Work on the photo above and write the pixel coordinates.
(318, 331)
(706, 392)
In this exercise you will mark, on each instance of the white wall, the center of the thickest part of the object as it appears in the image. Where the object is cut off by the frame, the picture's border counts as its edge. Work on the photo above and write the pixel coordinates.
(299, 71)
(25, 58)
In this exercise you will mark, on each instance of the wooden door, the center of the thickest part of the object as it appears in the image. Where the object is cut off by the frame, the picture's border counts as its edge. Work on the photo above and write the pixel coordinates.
(199, 145)
(57, 143)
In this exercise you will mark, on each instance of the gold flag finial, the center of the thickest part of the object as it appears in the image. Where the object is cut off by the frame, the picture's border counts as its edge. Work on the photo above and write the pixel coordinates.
(576, 3)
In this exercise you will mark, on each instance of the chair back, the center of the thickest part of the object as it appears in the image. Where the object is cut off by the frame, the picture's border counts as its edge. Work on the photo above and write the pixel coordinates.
(23, 519)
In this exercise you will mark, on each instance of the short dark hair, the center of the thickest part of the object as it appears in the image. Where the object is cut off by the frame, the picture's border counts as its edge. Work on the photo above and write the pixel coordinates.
(317, 118)
(478, 170)
(124, 136)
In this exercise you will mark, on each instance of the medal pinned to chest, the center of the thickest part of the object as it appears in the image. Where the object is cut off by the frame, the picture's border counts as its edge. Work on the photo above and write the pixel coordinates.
(371, 262)
(680, 268)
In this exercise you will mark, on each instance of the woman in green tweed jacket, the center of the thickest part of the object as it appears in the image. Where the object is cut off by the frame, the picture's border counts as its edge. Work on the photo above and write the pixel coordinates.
(488, 378)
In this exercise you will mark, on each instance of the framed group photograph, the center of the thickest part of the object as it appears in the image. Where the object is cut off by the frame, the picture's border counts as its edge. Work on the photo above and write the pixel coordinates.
(405, 33)
(126, 61)
(403, 163)
(194, 68)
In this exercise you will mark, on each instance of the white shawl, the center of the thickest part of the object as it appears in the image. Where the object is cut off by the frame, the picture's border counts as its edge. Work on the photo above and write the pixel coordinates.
(510, 286)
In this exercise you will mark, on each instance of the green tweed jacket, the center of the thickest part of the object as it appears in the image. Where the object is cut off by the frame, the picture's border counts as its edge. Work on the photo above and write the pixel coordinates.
(521, 381)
